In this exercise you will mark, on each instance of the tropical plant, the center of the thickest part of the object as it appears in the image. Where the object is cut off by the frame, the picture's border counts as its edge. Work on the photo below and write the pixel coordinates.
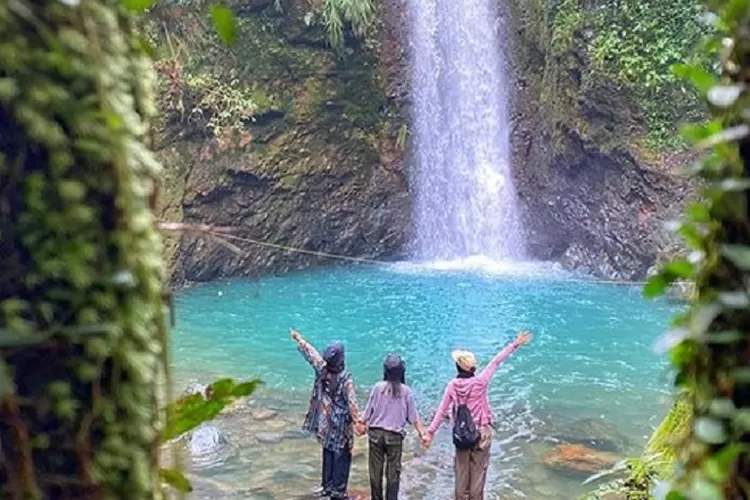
(191, 410)
(336, 13)
(711, 341)
(634, 477)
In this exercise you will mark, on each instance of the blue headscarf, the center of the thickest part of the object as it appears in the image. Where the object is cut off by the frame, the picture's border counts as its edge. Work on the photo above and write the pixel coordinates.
(333, 355)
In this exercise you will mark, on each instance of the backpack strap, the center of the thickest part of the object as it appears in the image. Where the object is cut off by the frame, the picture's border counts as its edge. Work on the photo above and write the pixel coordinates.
(459, 403)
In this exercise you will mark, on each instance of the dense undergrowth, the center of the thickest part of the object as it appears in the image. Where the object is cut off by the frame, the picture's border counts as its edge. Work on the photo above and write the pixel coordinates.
(709, 346)
(628, 46)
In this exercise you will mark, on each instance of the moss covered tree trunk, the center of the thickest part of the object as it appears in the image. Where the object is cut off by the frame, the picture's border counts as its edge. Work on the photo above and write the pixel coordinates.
(82, 334)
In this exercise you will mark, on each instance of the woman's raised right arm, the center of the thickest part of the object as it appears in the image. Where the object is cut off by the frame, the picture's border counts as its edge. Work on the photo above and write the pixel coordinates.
(485, 375)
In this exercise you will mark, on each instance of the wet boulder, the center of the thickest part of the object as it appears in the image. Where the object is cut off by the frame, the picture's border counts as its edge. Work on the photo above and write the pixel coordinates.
(595, 433)
(207, 440)
(579, 459)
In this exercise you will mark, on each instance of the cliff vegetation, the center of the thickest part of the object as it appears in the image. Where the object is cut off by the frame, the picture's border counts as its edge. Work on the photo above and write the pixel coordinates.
(288, 134)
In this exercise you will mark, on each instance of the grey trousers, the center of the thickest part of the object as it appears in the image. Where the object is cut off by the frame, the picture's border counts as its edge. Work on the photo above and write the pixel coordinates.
(471, 467)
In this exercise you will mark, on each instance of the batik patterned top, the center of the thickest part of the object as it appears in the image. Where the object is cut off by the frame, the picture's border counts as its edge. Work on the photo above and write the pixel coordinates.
(330, 417)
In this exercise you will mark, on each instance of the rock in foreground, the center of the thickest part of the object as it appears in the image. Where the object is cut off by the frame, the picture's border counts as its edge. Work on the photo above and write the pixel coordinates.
(579, 458)
(206, 439)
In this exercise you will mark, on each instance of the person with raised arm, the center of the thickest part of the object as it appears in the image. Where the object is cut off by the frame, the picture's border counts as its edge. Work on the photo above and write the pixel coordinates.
(471, 415)
(331, 414)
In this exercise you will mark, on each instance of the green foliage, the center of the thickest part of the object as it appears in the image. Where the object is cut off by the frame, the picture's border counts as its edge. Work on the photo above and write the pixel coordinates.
(671, 434)
(635, 477)
(402, 136)
(619, 46)
(82, 331)
(219, 105)
(568, 19)
(224, 23)
(176, 479)
(192, 410)
(637, 42)
(83, 339)
(336, 13)
(713, 338)
(139, 5)
(638, 475)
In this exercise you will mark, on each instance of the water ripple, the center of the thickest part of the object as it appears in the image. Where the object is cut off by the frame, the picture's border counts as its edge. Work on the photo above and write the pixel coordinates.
(590, 358)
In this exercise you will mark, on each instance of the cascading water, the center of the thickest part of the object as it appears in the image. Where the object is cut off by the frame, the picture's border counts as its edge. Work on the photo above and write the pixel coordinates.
(465, 198)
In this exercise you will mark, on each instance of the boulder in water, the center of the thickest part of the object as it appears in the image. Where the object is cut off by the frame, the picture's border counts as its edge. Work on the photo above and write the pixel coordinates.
(579, 458)
(270, 437)
(262, 414)
(206, 440)
(296, 434)
(195, 389)
(590, 432)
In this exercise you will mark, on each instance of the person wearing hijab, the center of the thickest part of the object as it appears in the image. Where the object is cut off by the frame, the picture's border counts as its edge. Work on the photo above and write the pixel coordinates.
(390, 407)
(470, 389)
(331, 414)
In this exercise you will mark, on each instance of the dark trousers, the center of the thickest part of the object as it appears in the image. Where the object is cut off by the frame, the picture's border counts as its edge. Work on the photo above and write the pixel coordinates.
(385, 449)
(336, 466)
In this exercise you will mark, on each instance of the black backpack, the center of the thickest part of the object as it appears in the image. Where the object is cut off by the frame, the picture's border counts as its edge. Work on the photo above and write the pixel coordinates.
(465, 433)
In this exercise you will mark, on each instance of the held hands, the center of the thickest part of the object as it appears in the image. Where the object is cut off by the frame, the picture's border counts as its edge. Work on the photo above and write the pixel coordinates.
(360, 428)
(523, 338)
(426, 440)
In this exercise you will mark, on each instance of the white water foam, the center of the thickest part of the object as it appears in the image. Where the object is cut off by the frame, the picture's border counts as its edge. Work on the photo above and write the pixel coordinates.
(481, 264)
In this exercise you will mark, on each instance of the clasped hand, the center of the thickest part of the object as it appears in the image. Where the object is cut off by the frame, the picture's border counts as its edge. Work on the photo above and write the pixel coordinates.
(426, 440)
(360, 428)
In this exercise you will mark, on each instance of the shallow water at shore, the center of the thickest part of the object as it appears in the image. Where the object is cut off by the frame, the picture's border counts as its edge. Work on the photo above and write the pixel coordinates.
(270, 458)
(588, 377)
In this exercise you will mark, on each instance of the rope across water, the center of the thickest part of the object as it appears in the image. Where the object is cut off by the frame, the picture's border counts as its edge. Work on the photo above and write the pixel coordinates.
(365, 260)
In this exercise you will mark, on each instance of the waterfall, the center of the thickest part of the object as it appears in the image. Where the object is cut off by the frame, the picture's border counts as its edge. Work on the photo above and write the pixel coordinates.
(465, 203)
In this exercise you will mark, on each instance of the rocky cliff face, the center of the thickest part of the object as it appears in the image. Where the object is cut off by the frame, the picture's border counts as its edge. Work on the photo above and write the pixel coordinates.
(595, 193)
(279, 136)
(299, 145)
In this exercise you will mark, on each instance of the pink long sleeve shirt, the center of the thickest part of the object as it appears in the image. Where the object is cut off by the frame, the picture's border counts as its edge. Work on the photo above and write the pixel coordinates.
(471, 391)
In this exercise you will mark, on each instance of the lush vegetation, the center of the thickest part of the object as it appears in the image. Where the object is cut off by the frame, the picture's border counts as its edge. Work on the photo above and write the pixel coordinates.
(337, 16)
(83, 337)
(82, 331)
(637, 42)
(634, 477)
(336, 13)
(711, 341)
(83, 334)
(625, 47)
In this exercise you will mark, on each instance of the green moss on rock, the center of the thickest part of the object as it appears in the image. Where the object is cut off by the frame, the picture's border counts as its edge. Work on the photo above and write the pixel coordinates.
(317, 151)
